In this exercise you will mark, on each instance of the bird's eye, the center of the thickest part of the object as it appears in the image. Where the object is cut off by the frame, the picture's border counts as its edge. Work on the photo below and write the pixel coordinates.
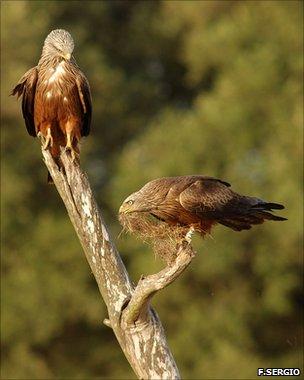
(55, 47)
(130, 202)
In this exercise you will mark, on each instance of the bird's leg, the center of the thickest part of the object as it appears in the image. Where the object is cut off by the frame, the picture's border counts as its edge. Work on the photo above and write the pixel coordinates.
(69, 147)
(41, 137)
(189, 234)
(48, 139)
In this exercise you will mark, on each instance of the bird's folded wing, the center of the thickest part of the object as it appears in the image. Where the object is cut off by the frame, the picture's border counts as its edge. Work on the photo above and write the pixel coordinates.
(206, 195)
(27, 88)
(86, 102)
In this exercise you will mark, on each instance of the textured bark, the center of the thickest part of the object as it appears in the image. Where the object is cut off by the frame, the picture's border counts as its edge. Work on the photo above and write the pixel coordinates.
(136, 325)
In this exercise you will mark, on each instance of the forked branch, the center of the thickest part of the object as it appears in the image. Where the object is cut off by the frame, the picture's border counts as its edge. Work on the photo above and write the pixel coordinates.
(135, 324)
(138, 307)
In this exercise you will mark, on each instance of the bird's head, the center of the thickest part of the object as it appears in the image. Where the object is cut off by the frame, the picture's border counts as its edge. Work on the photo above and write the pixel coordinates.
(135, 202)
(59, 42)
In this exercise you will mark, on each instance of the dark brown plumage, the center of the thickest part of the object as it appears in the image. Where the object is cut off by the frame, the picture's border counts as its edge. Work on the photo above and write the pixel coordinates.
(56, 99)
(199, 202)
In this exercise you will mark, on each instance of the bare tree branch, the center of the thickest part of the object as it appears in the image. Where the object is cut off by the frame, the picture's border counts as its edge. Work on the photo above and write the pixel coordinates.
(138, 307)
(136, 325)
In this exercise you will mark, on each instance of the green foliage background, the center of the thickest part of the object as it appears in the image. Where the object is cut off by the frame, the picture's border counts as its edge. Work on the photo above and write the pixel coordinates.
(210, 87)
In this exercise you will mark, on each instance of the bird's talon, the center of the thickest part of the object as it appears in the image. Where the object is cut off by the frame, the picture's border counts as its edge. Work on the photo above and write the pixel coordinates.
(189, 234)
(48, 142)
(41, 137)
(74, 154)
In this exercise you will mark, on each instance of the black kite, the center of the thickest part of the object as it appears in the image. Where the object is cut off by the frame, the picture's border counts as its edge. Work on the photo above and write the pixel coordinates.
(199, 202)
(56, 99)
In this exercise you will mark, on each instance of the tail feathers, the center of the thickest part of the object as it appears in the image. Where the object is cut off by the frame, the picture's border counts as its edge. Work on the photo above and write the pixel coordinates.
(55, 151)
(256, 214)
(261, 210)
(267, 206)
(269, 216)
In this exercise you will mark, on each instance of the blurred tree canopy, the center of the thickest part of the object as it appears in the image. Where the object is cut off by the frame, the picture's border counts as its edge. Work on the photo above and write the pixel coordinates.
(179, 87)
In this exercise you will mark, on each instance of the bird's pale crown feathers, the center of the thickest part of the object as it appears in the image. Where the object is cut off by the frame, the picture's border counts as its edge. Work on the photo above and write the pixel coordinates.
(59, 42)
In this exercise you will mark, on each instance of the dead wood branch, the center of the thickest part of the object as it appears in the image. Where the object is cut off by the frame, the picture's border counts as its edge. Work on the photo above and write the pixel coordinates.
(135, 324)
(138, 308)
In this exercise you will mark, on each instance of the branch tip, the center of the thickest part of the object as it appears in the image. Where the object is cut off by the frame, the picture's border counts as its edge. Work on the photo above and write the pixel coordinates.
(107, 322)
(148, 286)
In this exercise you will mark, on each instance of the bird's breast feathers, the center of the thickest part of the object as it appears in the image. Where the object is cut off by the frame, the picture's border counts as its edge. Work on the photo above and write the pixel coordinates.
(57, 72)
(56, 82)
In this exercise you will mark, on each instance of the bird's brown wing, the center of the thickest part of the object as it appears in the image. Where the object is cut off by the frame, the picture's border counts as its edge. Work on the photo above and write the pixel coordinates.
(206, 196)
(86, 102)
(27, 88)
(212, 199)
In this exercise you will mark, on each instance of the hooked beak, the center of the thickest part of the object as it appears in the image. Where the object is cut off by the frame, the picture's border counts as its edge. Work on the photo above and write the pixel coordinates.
(67, 56)
(123, 209)
(127, 209)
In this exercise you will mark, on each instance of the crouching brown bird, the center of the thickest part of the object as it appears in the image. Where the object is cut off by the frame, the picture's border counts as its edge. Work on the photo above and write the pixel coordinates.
(56, 99)
(198, 203)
